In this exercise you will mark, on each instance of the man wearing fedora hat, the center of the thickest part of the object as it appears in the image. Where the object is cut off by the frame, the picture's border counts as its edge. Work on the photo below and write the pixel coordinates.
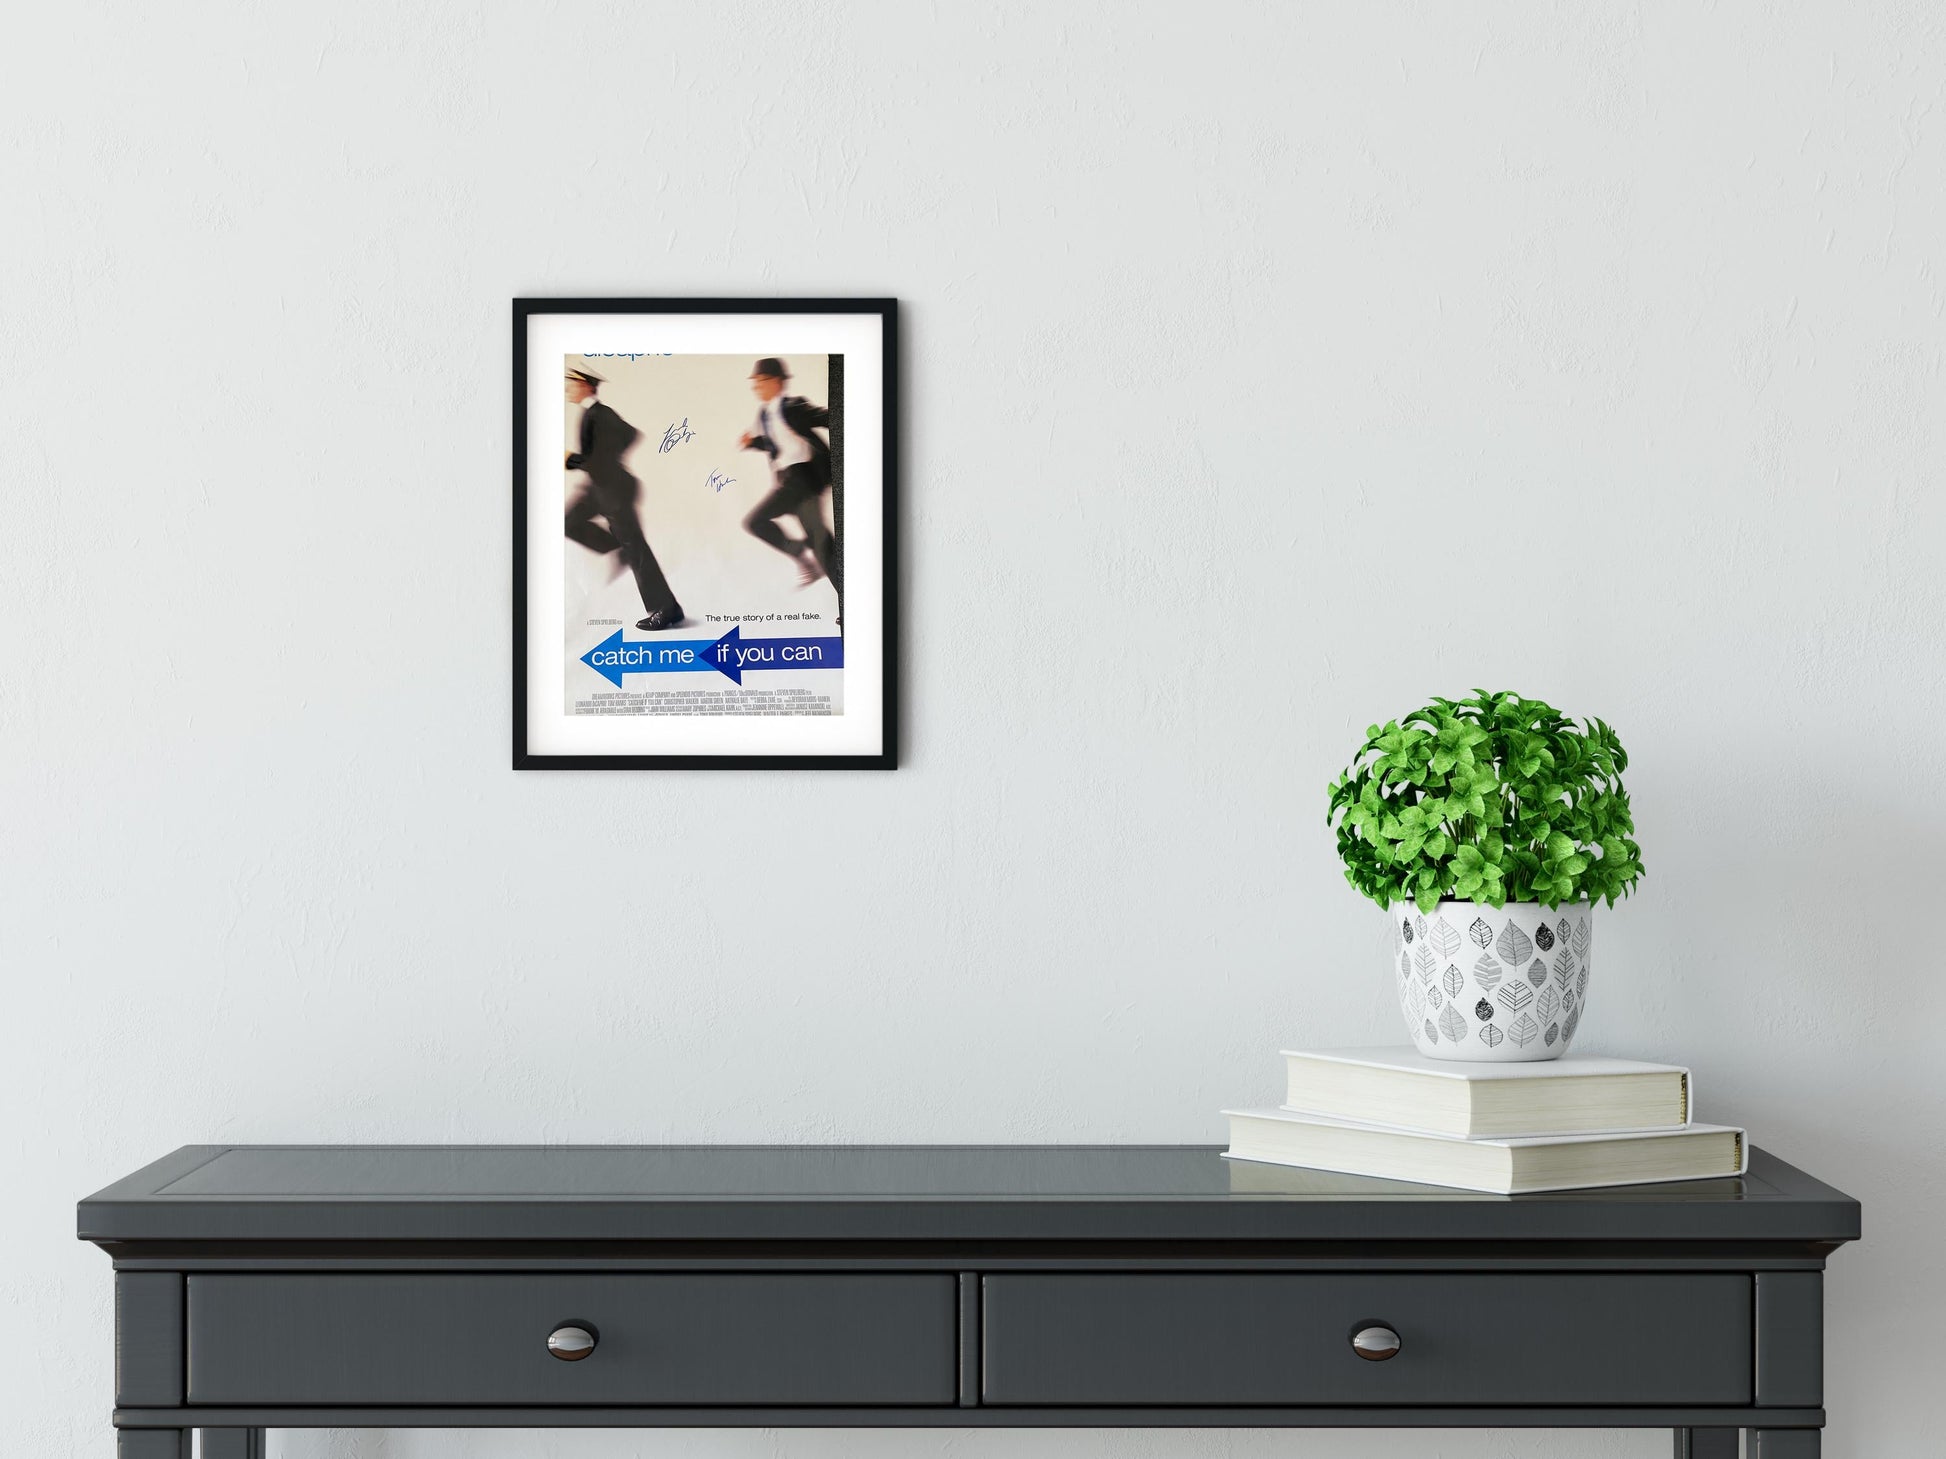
(611, 493)
(800, 473)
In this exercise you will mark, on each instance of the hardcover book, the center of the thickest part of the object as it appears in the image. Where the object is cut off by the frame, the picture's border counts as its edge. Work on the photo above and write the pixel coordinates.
(1501, 1167)
(1573, 1095)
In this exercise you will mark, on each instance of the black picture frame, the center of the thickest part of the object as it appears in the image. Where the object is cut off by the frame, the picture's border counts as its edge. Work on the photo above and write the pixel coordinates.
(886, 310)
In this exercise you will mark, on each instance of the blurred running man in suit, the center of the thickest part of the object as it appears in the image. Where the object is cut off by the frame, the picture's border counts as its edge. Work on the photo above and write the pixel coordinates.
(800, 474)
(611, 493)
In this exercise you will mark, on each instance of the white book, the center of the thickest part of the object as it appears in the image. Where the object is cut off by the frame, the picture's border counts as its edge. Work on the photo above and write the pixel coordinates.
(1500, 1167)
(1571, 1095)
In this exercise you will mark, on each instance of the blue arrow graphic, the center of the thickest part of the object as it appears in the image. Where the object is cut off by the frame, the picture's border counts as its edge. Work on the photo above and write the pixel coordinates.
(731, 655)
(612, 657)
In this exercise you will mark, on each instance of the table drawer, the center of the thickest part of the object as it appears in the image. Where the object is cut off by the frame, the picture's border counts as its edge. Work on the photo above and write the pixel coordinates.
(713, 1339)
(1218, 1339)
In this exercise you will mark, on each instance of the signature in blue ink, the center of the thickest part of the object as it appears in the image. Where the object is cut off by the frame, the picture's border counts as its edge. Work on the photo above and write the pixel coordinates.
(675, 436)
(718, 480)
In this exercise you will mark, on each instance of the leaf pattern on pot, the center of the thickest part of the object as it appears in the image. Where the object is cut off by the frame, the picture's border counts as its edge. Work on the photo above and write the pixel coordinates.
(1444, 936)
(1513, 946)
(1515, 998)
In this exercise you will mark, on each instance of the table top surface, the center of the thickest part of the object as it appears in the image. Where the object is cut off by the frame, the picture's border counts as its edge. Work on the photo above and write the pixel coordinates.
(254, 1193)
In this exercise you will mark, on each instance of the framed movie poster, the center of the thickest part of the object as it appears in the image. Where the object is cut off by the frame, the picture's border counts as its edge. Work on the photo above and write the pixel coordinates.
(704, 533)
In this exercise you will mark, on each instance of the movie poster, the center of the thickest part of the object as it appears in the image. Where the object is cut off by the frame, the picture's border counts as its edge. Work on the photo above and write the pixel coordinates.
(717, 569)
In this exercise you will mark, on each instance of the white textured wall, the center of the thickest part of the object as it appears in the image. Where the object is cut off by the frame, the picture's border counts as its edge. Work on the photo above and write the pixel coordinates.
(1271, 368)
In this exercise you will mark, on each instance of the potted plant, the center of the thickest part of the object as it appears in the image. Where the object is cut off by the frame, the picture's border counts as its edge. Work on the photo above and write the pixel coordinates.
(1488, 827)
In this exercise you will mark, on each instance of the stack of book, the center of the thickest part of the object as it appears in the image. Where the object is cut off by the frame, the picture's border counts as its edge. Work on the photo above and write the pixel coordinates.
(1567, 1124)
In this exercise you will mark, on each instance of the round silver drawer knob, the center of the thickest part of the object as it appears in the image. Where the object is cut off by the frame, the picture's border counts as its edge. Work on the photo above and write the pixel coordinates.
(1374, 1342)
(571, 1342)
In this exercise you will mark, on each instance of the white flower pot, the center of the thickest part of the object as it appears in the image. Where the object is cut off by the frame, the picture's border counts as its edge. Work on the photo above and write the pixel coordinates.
(1485, 985)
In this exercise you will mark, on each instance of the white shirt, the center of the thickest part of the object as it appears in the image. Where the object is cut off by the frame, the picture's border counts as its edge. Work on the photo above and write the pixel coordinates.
(792, 449)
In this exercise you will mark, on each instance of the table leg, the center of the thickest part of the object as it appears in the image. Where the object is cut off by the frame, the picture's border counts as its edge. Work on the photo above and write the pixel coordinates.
(1784, 1443)
(152, 1443)
(1706, 1444)
(233, 1444)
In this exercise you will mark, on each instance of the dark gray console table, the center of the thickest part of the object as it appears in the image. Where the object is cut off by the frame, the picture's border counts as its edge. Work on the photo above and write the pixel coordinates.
(954, 1286)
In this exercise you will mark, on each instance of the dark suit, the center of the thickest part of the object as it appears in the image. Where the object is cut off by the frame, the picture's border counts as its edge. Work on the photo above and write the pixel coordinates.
(612, 492)
(795, 489)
